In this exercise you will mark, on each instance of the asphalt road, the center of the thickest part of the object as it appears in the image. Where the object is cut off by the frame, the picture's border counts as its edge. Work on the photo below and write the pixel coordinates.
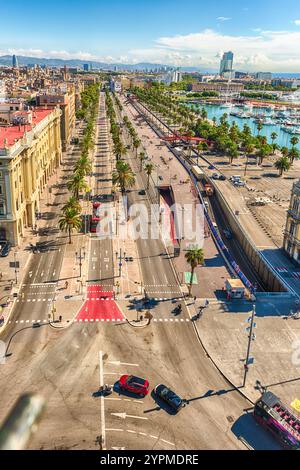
(68, 366)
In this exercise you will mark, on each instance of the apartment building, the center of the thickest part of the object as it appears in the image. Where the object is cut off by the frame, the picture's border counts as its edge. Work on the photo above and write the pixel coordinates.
(292, 233)
(29, 154)
(64, 97)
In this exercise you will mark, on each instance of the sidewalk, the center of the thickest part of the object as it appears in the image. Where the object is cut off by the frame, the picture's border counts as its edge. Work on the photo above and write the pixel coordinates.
(50, 207)
(222, 329)
(210, 278)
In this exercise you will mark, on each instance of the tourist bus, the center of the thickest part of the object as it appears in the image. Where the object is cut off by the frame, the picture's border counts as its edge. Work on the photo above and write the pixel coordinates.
(197, 172)
(279, 420)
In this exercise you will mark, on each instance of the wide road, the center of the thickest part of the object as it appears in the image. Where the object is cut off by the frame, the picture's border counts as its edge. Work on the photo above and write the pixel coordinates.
(68, 366)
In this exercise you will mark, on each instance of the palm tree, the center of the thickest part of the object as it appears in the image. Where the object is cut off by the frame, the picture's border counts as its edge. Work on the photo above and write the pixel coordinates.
(284, 151)
(274, 136)
(194, 257)
(143, 157)
(282, 164)
(123, 176)
(136, 144)
(84, 165)
(70, 221)
(294, 154)
(77, 184)
(294, 141)
(72, 203)
(233, 151)
(149, 168)
(259, 126)
(203, 114)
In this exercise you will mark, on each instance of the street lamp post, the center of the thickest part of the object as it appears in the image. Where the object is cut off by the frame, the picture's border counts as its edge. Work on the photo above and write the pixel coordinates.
(80, 257)
(15, 264)
(251, 338)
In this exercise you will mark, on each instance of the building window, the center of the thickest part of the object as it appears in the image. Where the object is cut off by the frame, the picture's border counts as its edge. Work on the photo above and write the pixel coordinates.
(1, 189)
(2, 208)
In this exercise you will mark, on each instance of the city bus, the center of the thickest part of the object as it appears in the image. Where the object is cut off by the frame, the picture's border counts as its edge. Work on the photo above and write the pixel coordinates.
(94, 224)
(197, 172)
(279, 420)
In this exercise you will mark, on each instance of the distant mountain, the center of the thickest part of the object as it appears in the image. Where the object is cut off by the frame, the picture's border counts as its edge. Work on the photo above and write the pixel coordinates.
(24, 60)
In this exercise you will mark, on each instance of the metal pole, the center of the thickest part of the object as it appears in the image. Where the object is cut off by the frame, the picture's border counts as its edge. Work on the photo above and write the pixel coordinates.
(249, 346)
(16, 272)
(21, 422)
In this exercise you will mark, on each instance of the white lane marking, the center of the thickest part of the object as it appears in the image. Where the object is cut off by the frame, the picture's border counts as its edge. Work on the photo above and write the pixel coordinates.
(101, 379)
(125, 415)
(118, 448)
(167, 442)
(113, 429)
(119, 363)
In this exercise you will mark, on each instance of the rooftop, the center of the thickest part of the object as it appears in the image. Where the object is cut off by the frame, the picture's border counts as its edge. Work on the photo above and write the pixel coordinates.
(15, 132)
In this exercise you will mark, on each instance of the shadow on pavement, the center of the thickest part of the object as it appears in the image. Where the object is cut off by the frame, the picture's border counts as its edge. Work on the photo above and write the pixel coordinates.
(246, 427)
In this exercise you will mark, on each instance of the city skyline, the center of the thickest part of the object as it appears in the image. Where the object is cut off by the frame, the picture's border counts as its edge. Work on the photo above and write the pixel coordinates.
(262, 36)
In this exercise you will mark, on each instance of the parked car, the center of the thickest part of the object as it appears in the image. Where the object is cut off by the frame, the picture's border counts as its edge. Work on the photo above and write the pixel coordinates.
(239, 183)
(5, 247)
(211, 167)
(222, 177)
(160, 177)
(215, 176)
(134, 384)
(169, 397)
(142, 192)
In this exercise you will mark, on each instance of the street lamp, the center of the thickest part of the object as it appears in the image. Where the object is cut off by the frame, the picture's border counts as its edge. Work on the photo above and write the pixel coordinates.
(35, 325)
(80, 257)
(251, 338)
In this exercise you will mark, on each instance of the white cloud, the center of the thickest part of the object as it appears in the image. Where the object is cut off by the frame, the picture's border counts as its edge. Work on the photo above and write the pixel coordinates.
(223, 18)
(265, 50)
(259, 50)
(297, 22)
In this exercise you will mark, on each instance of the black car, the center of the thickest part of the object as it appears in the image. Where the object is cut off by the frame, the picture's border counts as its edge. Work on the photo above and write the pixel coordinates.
(222, 177)
(169, 397)
(142, 192)
(4, 248)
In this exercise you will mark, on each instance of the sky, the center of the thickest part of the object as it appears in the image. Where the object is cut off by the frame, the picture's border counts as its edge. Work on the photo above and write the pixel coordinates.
(263, 34)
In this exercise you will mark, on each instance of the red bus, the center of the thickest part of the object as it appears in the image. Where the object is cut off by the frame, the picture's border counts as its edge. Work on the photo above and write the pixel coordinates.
(94, 224)
(279, 420)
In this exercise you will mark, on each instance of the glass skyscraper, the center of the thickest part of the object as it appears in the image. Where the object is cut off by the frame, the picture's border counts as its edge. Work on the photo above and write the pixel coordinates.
(226, 62)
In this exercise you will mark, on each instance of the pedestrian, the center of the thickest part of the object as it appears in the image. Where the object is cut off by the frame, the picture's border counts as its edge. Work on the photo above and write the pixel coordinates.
(195, 298)
(66, 285)
(206, 303)
(1, 275)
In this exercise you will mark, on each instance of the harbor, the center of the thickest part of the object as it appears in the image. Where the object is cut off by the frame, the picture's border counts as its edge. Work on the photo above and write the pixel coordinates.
(284, 120)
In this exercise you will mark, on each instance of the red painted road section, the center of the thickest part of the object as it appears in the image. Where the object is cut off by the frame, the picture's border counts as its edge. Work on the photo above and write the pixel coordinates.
(99, 305)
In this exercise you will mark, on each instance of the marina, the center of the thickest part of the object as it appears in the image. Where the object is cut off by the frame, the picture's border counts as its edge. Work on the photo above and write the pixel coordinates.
(284, 121)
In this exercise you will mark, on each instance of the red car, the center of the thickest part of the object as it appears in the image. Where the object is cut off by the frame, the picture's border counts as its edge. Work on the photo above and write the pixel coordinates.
(133, 384)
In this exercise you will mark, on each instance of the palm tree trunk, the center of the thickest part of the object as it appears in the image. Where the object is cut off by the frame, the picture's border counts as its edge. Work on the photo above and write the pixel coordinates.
(148, 182)
(191, 281)
(70, 237)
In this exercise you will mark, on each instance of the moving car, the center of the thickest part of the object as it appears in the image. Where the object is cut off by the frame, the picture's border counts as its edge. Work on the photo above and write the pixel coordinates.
(227, 234)
(134, 384)
(5, 247)
(169, 397)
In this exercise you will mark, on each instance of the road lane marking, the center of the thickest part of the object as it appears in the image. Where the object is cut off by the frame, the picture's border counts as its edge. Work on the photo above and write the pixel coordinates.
(119, 363)
(167, 442)
(125, 415)
(114, 430)
(102, 412)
